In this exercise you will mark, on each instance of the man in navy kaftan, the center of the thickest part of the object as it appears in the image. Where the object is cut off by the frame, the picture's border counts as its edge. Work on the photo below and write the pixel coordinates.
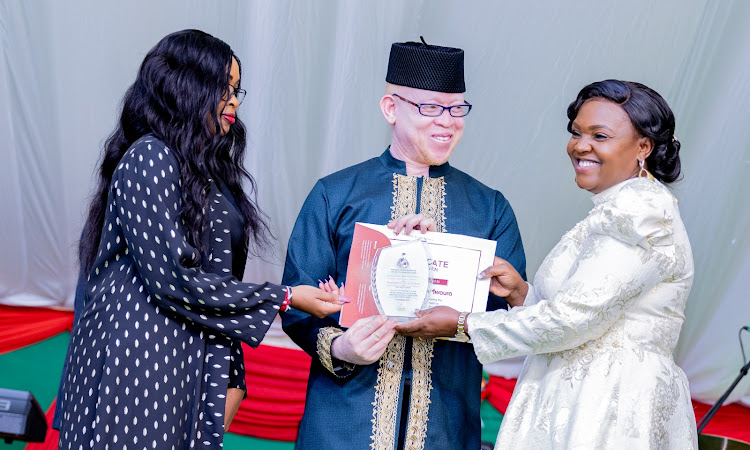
(416, 393)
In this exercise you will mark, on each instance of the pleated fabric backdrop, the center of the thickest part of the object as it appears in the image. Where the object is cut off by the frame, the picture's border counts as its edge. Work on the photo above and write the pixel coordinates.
(314, 72)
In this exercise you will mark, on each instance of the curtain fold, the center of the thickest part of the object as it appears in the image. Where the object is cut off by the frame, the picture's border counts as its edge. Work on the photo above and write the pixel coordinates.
(21, 326)
(315, 74)
(276, 385)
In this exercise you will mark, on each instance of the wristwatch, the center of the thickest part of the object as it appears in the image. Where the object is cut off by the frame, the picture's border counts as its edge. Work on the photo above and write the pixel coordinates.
(461, 335)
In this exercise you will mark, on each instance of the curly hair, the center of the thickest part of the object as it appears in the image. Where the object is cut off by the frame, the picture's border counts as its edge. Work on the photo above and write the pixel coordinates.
(175, 97)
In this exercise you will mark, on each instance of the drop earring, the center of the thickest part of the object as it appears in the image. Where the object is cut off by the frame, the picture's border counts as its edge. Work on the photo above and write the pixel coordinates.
(643, 173)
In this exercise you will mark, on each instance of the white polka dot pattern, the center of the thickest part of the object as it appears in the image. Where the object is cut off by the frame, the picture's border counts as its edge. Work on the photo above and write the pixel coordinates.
(158, 341)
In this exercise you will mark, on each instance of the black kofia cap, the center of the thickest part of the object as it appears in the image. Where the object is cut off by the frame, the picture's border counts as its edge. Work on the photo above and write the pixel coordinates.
(428, 67)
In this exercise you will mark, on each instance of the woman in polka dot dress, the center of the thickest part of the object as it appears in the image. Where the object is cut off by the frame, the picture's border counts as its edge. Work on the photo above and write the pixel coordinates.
(155, 359)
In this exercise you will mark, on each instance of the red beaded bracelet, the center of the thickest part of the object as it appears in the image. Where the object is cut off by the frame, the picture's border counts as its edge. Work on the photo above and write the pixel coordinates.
(286, 304)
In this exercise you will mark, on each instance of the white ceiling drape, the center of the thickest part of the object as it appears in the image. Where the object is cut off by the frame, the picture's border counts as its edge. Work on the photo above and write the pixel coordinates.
(315, 72)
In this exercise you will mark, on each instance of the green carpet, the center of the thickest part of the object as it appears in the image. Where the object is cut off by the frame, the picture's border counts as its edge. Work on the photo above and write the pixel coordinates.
(36, 368)
(238, 442)
(491, 419)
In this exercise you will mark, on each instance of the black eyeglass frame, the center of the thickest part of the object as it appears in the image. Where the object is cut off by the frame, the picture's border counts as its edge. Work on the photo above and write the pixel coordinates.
(449, 108)
(238, 93)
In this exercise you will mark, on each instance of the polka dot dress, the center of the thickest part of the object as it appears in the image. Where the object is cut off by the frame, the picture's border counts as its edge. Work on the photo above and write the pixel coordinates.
(158, 341)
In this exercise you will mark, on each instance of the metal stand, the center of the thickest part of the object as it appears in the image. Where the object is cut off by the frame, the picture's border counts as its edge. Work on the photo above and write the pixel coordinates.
(704, 421)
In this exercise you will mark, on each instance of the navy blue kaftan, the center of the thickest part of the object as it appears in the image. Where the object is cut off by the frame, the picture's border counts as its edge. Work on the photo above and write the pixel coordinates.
(361, 407)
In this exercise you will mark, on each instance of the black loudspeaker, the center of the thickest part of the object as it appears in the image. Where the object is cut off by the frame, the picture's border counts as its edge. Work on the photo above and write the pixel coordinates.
(21, 418)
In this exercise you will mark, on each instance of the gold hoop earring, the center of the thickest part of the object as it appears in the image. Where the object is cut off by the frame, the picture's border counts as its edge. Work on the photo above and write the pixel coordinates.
(643, 173)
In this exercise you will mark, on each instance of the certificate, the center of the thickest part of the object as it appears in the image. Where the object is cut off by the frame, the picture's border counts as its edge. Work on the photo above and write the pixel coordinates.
(377, 284)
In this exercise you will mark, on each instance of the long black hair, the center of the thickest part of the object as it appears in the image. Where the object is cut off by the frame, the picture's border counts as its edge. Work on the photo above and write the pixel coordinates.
(650, 115)
(175, 96)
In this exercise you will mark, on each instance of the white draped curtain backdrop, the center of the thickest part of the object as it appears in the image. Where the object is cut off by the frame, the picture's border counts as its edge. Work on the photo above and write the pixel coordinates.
(314, 72)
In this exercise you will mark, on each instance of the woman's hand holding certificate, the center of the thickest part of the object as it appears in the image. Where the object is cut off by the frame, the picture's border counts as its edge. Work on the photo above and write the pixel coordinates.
(506, 282)
(440, 321)
(443, 321)
(394, 272)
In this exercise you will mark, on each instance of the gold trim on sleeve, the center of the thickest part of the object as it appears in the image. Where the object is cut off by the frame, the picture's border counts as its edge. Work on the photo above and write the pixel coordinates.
(325, 338)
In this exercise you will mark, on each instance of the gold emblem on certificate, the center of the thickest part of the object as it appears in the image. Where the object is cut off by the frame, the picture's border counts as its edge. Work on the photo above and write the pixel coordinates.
(400, 279)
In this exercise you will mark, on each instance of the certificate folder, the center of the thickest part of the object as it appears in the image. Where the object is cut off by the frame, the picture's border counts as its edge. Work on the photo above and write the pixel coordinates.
(454, 262)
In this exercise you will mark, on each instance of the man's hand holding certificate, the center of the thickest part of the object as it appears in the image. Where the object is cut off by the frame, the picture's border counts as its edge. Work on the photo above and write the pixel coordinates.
(396, 274)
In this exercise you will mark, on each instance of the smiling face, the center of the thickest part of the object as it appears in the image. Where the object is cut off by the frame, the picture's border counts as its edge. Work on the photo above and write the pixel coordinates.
(417, 139)
(227, 108)
(604, 146)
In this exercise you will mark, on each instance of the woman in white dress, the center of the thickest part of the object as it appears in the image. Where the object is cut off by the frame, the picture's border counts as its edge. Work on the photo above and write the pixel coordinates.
(604, 313)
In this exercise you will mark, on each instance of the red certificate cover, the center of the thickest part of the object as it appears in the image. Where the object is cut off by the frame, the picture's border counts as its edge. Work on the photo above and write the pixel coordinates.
(453, 263)
(364, 244)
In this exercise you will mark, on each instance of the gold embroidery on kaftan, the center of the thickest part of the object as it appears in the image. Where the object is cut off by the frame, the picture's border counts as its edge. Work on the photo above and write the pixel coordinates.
(421, 386)
(325, 337)
(387, 388)
(404, 196)
(391, 364)
(432, 203)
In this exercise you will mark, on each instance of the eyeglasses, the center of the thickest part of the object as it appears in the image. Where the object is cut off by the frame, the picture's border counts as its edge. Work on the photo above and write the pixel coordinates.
(239, 93)
(433, 110)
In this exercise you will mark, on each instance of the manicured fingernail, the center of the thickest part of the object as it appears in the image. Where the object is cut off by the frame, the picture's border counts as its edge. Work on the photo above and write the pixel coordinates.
(330, 277)
(481, 274)
(343, 299)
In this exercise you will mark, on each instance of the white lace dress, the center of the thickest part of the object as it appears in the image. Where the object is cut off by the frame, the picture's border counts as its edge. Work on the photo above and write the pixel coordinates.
(599, 325)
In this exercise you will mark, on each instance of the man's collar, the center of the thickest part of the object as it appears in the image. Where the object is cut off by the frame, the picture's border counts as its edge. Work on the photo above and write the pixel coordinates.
(398, 166)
